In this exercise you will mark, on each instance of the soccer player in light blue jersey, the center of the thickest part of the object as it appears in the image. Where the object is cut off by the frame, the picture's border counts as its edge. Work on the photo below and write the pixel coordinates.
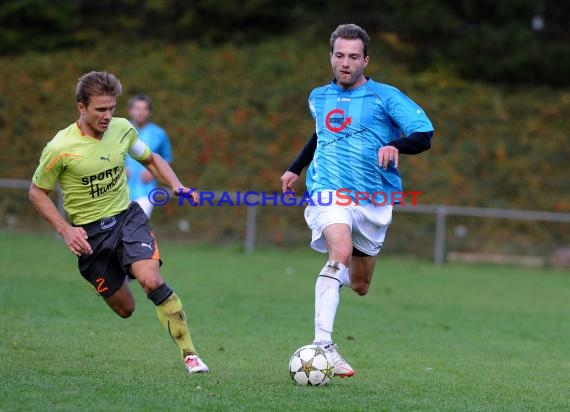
(141, 182)
(361, 127)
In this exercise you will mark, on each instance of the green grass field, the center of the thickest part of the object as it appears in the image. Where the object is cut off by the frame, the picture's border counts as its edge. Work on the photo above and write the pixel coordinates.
(455, 338)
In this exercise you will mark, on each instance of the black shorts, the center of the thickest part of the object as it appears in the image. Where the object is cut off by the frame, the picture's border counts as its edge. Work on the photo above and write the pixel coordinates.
(117, 242)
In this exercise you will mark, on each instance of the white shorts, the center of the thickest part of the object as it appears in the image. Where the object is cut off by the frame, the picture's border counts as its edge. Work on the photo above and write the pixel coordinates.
(145, 205)
(368, 223)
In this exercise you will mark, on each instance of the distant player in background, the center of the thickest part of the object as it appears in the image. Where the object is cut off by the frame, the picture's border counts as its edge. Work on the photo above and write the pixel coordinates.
(361, 128)
(109, 234)
(141, 181)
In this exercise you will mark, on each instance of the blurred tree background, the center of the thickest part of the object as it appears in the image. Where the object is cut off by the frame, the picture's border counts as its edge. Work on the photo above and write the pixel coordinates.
(510, 41)
(230, 82)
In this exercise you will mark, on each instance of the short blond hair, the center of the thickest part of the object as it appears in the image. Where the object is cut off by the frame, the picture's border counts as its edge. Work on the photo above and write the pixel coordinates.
(97, 84)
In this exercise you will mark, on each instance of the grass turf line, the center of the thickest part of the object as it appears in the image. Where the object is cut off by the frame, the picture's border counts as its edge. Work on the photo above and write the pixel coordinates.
(454, 338)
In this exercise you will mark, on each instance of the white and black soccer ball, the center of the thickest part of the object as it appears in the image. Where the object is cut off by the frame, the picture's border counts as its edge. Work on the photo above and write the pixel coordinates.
(310, 366)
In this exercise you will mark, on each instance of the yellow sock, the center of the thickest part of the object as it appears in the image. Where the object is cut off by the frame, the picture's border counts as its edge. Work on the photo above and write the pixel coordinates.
(172, 316)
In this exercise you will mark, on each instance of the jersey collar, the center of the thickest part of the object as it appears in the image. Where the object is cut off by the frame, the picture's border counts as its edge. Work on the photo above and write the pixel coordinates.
(86, 136)
(336, 86)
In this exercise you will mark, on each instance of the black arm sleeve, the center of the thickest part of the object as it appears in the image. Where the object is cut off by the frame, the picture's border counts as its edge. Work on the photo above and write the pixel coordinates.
(413, 144)
(305, 157)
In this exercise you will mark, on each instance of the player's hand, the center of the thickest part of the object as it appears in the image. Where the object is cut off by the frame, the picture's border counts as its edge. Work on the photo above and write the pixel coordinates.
(76, 240)
(187, 191)
(288, 179)
(146, 176)
(386, 155)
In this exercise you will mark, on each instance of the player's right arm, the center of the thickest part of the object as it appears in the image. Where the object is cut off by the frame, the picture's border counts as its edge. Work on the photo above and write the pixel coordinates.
(304, 158)
(75, 237)
(46, 176)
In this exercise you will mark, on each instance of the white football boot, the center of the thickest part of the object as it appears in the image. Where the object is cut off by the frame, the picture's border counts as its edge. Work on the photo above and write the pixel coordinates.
(195, 365)
(341, 368)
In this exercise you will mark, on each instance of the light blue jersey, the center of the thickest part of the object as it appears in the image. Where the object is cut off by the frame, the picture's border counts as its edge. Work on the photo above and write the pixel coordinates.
(157, 140)
(351, 127)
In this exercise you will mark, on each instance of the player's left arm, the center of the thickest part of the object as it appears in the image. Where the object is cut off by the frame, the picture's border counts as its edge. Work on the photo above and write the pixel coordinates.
(159, 168)
(166, 148)
(414, 123)
(162, 171)
(415, 143)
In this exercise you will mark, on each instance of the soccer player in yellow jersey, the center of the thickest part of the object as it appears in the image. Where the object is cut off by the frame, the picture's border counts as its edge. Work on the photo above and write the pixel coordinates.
(110, 236)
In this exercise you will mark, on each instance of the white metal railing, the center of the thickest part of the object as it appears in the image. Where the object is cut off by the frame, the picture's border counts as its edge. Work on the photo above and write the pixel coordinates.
(440, 211)
(25, 184)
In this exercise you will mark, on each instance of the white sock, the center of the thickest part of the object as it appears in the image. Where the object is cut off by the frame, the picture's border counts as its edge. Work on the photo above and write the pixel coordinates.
(345, 277)
(327, 299)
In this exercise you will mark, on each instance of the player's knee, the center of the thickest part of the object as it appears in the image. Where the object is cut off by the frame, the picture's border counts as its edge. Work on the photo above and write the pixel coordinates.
(125, 311)
(343, 254)
(152, 283)
(361, 288)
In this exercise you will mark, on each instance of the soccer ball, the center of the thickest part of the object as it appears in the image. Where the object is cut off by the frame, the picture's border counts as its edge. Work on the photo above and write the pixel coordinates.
(310, 366)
